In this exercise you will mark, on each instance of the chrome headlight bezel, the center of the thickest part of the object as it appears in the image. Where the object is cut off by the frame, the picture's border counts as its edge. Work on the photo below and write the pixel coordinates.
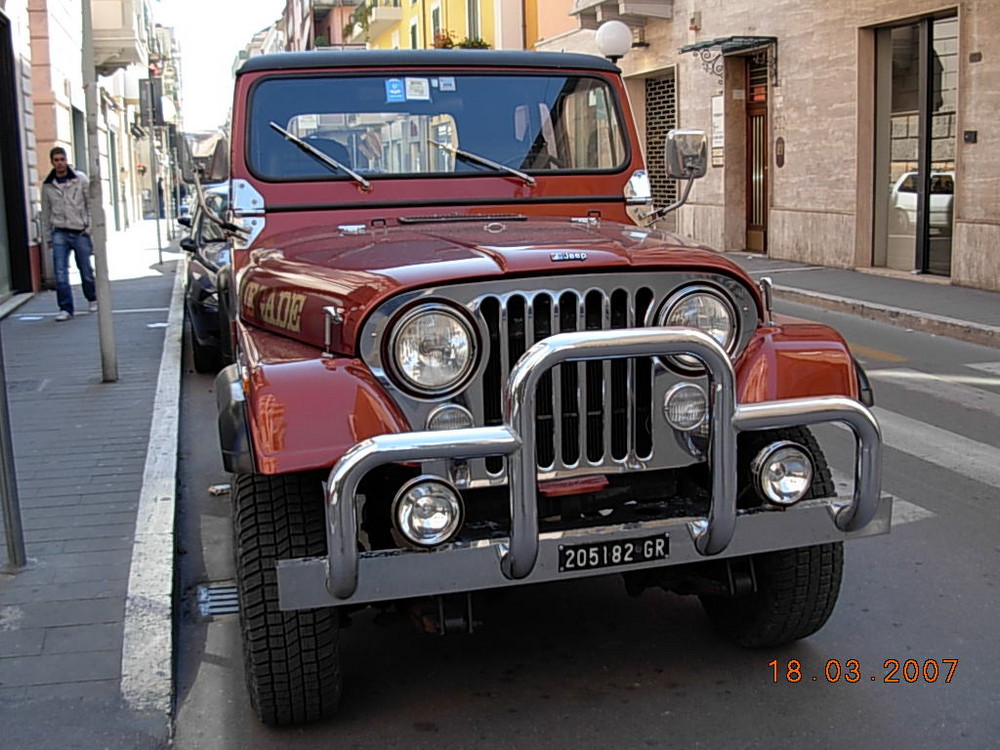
(405, 380)
(688, 363)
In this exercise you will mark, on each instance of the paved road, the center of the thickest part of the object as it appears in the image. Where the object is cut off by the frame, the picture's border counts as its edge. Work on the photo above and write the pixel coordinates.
(585, 665)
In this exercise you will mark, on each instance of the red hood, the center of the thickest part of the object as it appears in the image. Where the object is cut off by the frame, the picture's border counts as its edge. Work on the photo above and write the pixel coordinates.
(285, 286)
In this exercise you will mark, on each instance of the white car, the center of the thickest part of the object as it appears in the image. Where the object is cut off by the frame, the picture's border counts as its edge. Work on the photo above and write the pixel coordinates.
(903, 203)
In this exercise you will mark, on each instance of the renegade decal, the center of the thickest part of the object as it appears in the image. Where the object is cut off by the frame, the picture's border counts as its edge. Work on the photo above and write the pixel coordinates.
(282, 309)
(249, 294)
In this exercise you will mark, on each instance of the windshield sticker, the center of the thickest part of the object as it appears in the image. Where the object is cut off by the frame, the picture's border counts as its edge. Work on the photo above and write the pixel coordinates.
(394, 90)
(418, 89)
(446, 83)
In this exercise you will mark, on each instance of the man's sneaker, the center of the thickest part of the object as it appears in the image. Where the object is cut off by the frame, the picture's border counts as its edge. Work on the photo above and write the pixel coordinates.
(93, 305)
(62, 315)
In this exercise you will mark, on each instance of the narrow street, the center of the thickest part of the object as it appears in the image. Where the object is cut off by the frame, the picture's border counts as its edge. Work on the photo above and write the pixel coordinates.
(584, 665)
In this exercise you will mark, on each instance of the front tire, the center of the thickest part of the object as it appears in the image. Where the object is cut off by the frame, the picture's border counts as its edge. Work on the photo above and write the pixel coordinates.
(291, 659)
(796, 589)
(796, 593)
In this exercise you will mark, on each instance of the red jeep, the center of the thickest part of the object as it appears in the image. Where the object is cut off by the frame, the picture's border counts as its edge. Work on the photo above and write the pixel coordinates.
(463, 362)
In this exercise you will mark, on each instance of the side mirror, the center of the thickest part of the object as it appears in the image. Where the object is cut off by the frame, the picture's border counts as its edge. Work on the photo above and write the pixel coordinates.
(686, 154)
(189, 244)
(206, 154)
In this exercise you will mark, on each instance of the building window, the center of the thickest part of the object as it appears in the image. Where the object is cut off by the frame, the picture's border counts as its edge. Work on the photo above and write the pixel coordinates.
(661, 116)
(435, 20)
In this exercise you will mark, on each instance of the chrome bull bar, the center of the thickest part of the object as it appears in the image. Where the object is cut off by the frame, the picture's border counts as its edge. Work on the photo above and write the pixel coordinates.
(515, 439)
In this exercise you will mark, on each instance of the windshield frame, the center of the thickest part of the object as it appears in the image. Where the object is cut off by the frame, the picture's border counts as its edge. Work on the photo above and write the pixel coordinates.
(253, 120)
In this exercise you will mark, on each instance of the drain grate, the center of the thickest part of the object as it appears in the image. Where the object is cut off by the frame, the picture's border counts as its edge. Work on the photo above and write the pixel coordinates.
(216, 599)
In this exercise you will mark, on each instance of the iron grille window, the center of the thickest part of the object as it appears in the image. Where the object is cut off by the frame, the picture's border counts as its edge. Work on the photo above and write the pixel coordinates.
(661, 116)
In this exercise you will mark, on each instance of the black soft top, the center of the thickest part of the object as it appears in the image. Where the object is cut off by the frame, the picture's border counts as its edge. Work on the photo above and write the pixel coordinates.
(424, 58)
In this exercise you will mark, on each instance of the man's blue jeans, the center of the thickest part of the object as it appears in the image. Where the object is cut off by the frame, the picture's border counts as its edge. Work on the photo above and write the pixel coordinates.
(64, 242)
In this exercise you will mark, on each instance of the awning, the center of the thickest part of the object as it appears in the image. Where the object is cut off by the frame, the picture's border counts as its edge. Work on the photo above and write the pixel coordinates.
(711, 52)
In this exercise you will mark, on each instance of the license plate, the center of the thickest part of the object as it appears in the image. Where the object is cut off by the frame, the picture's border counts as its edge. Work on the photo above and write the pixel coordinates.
(609, 554)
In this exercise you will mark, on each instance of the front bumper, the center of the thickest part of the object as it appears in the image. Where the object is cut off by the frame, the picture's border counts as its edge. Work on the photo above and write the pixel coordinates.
(346, 575)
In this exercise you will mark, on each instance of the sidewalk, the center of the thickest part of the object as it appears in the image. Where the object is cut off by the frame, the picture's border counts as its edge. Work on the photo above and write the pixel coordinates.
(925, 303)
(85, 645)
(80, 459)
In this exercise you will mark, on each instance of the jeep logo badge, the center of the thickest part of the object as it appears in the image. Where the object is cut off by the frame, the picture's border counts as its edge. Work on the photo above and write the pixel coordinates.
(557, 257)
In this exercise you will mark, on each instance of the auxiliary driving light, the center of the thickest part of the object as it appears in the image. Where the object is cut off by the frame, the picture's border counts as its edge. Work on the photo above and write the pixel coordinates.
(427, 511)
(685, 406)
(449, 417)
(784, 473)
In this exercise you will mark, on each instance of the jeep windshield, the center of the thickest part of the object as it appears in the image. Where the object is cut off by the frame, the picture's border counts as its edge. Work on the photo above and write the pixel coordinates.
(434, 124)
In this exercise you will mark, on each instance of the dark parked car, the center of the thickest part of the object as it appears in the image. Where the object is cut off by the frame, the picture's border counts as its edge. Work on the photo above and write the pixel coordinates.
(209, 251)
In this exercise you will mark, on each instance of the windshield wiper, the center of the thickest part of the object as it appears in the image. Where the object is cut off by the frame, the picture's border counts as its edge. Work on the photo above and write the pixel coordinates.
(477, 159)
(321, 157)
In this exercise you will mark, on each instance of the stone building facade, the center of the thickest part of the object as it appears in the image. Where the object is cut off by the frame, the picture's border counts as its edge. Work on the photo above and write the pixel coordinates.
(44, 105)
(857, 135)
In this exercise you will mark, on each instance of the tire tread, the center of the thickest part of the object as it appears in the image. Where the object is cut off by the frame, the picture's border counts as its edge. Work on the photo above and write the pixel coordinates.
(797, 588)
(291, 659)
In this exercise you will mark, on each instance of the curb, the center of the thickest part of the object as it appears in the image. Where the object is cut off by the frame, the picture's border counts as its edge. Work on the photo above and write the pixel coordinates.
(964, 330)
(147, 643)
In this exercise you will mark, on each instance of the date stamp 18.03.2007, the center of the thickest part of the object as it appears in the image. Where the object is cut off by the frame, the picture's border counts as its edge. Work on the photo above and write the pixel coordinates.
(851, 671)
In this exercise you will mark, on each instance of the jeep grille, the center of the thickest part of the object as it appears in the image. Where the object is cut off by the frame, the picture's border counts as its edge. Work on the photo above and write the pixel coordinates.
(587, 412)
(592, 417)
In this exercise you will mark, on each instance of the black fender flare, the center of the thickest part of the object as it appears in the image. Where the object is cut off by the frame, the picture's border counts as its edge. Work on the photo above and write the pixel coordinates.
(234, 431)
(865, 391)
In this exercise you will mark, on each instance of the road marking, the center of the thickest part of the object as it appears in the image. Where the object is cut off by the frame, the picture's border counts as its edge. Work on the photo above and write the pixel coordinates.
(903, 511)
(970, 458)
(880, 354)
(785, 269)
(945, 387)
(993, 367)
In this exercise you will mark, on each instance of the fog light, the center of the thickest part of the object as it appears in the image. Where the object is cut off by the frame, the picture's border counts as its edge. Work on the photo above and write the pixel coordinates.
(427, 511)
(685, 406)
(784, 473)
(449, 417)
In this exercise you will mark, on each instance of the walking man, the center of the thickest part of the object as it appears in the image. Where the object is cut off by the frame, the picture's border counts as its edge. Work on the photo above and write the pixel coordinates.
(66, 223)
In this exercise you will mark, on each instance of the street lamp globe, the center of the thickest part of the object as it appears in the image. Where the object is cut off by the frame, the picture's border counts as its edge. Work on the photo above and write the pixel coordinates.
(613, 39)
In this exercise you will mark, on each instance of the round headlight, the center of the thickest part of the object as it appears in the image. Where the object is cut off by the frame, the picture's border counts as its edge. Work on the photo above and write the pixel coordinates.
(705, 310)
(427, 511)
(433, 349)
(784, 473)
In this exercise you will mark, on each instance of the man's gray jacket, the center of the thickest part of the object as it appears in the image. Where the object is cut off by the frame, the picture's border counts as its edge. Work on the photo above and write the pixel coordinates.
(65, 205)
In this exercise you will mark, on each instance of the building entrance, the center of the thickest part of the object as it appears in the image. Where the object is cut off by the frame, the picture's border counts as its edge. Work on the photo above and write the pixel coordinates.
(757, 155)
(916, 94)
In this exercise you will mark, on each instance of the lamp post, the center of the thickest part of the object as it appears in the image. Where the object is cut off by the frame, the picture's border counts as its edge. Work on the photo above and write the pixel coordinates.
(99, 231)
(613, 40)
